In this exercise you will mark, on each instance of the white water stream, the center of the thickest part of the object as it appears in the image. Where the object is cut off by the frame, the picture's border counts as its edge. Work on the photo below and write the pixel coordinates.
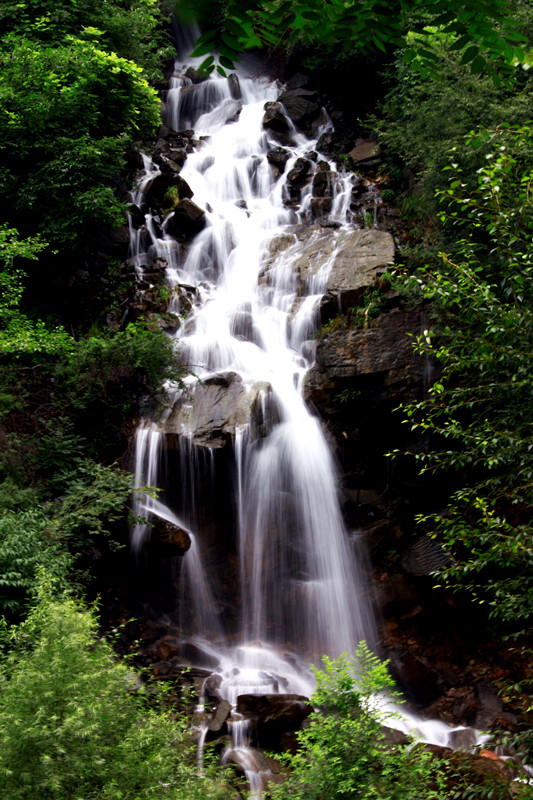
(302, 593)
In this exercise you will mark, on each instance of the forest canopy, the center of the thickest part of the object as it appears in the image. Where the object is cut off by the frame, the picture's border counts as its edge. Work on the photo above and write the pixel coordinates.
(485, 32)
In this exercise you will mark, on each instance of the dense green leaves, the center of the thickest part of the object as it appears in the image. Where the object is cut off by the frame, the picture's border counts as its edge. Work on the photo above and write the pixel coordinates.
(481, 408)
(67, 114)
(484, 29)
(74, 723)
(344, 753)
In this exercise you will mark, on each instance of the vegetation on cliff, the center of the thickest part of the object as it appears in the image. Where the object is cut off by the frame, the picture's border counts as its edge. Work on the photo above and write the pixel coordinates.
(75, 95)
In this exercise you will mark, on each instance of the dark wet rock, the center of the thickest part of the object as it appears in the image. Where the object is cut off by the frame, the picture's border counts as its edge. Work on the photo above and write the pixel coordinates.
(134, 159)
(275, 118)
(192, 654)
(167, 648)
(274, 715)
(300, 173)
(212, 411)
(195, 76)
(234, 86)
(165, 190)
(169, 537)
(217, 723)
(300, 105)
(267, 770)
(393, 736)
(328, 143)
(366, 153)
(188, 219)
(136, 215)
(278, 158)
(395, 595)
(211, 686)
(321, 207)
(420, 682)
(473, 770)
(380, 360)
(325, 181)
(155, 271)
(179, 155)
(185, 296)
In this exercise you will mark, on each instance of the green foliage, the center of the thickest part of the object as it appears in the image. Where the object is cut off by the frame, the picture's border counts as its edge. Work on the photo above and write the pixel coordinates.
(26, 546)
(343, 753)
(74, 723)
(480, 408)
(56, 536)
(106, 376)
(18, 334)
(485, 33)
(130, 28)
(421, 119)
(67, 113)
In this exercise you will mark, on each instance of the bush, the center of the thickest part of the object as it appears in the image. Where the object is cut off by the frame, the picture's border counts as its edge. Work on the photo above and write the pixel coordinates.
(76, 725)
(68, 113)
(344, 754)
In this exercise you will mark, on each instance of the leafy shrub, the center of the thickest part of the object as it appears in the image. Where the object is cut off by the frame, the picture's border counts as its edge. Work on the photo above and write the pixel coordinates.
(75, 724)
(344, 753)
(26, 546)
(68, 113)
(480, 411)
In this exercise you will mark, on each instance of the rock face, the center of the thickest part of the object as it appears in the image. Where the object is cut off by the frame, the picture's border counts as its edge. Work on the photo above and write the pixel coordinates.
(358, 257)
(164, 188)
(379, 359)
(214, 409)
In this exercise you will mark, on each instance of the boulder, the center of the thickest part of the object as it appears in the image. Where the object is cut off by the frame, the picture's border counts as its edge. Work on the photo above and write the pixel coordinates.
(360, 257)
(420, 682)
(195, 76)
(211, 411)
(366, 153)
(275, 118)
(218, 719)
(324, 181)
(278, 157)
(234, 86)
(299, 175)
(187, 220)
(169, 537)
(274, 715)
(266, 770)
(167, 648)
(467, 769)
(165, 190)
(300, 105)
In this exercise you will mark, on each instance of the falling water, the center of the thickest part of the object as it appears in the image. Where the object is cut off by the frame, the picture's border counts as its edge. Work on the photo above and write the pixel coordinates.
(302, 593)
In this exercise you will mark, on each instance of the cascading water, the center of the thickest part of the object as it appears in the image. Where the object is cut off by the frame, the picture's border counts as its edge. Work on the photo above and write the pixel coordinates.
(301, 590)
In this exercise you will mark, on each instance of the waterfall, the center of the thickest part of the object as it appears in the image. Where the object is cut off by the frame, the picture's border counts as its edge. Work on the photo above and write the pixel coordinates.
(299, 589)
